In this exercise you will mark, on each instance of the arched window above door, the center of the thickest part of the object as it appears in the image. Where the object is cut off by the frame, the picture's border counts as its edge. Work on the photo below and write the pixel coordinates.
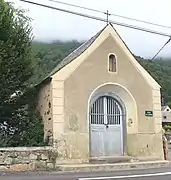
(112, 63)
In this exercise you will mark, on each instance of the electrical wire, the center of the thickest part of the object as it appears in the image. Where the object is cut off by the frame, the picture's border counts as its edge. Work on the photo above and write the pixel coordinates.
(99, 19)
(73, 5)
(103, 12)
(161, 49)
(146, 22)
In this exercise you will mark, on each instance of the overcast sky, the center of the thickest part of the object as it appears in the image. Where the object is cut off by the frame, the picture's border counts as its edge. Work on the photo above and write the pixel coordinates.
(54, 25)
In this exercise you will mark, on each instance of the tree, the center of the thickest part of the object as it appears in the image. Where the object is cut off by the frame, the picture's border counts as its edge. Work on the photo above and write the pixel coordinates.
(15, 72)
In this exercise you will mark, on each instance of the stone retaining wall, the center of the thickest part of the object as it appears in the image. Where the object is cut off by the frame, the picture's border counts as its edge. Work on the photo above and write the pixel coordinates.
(24, 159)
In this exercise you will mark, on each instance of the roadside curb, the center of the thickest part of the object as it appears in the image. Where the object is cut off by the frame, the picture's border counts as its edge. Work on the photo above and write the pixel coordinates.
(112, 167)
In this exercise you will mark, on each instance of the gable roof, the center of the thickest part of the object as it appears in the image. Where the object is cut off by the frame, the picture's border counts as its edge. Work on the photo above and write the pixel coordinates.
(81, 49)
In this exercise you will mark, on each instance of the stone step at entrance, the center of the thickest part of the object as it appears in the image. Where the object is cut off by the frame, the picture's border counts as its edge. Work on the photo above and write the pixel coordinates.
(112, 166)
(110, 159)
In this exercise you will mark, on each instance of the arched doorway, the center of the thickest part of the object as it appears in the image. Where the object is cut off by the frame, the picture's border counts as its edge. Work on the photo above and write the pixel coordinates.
(106, 126)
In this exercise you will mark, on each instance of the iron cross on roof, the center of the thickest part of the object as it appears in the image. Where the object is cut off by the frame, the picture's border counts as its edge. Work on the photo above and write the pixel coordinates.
(107, 16)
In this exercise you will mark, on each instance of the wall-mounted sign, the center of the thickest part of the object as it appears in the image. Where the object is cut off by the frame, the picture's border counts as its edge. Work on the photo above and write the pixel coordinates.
(149, 113)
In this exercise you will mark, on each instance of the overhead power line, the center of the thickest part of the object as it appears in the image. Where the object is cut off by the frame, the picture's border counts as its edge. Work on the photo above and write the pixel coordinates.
(100, 19)
(161, 49)
(146, 22)
(73, 5)
(103, 12)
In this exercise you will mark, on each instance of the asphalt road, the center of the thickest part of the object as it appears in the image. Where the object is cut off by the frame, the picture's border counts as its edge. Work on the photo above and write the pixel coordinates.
(145, 174)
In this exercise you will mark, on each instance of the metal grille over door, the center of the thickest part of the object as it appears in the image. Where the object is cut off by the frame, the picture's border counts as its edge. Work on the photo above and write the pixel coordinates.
(106, 127)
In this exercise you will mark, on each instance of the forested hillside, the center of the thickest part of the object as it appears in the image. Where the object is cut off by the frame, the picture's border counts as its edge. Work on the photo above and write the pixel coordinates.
(47, 55)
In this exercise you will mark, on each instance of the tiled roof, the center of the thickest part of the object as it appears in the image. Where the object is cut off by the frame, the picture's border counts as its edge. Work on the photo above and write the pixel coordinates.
(163, 108)
(76, 53)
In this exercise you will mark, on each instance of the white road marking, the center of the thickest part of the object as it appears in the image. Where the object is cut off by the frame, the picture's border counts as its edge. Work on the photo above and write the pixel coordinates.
(127, 176)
